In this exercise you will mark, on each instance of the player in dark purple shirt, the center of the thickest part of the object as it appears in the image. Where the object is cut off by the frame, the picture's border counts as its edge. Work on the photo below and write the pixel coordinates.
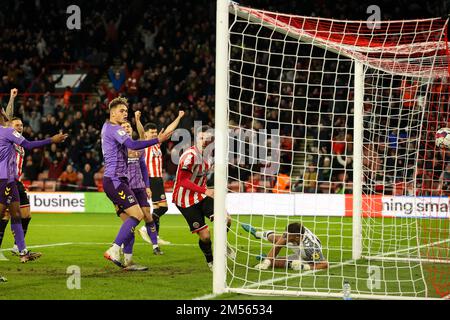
(115, 145)
(9, 195)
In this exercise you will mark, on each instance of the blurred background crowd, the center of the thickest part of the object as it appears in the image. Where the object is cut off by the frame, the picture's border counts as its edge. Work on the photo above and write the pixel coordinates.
(161, 56)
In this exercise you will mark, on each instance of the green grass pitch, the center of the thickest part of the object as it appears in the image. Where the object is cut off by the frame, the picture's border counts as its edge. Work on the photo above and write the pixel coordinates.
(181, 273)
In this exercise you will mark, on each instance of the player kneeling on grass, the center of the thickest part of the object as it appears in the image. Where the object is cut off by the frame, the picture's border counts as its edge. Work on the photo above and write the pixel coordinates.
(305, 245)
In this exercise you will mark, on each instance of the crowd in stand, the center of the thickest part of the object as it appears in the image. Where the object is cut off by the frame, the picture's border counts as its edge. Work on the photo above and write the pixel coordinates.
(162, 58)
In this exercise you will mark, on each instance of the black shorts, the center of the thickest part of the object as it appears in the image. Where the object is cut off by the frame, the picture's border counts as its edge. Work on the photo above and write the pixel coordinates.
(23, 196)
(157, 189)
(195, 215)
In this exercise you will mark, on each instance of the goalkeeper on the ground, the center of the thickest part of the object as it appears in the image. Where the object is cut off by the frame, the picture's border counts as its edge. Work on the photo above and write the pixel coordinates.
(305, 245)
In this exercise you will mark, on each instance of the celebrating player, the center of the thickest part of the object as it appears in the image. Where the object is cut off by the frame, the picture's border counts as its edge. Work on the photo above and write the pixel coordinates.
(115, 145)
(306, 246)
(153, 161)
(139, 184)
(25, 213)
(9, 195)
(191, 195)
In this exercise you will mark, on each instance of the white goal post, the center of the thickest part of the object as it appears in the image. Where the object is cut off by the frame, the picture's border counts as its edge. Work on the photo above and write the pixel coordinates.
(331, 123)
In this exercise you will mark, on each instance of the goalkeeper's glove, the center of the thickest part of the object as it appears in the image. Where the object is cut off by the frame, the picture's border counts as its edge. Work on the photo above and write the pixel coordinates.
(263, 265)
(298, 265)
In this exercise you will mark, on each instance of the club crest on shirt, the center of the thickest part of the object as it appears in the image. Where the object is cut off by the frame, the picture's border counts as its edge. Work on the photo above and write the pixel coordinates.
(121, 132)
(130, 199)
(196, 224)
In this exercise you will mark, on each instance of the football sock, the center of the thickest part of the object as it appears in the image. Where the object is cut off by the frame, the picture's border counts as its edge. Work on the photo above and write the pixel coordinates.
(128, 245)
(126, 231)
(151, 231)
(17, 231)
(206, 248)
(127, 258)
(156, 221)
(3, 224)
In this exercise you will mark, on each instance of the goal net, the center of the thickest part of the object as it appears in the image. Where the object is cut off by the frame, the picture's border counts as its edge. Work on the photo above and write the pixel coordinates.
(331, 124)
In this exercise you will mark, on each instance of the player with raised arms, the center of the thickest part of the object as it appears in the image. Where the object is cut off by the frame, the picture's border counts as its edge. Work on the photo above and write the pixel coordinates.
(305, 245)
(25, 213)
(9, 194)
(139, 184)
(115, 145)
(153, 160)
(192, 197)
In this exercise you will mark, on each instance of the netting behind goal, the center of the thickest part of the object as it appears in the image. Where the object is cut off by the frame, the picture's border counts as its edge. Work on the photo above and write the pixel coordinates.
(326, 115)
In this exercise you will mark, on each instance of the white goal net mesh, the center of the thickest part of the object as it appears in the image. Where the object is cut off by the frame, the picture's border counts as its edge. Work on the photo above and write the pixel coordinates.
(291, 107)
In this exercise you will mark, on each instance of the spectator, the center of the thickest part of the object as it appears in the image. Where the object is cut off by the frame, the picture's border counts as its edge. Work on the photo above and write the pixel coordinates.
(55, 167)
(69, 179)
(30, 169)
(310, 179)
(88, 181)
(117, 78)
(283, 182)
(66, 97)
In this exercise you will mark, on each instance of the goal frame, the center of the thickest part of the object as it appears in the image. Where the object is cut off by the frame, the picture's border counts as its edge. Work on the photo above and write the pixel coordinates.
(224, 8)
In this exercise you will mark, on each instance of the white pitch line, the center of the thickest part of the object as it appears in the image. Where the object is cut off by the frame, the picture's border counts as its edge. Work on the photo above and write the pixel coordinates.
(140, 244)
(44, 246)
(97, 226)
(412, 248)
(206, 297)
(95, 243)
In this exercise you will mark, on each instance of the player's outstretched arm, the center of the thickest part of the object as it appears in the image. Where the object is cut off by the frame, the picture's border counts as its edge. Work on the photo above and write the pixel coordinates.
(271, 256)
(164, 135)
(10, 107)
(185, 182)
(139, 144)
(319, 265)
(139, 126)
(57, 138)
(171, 127)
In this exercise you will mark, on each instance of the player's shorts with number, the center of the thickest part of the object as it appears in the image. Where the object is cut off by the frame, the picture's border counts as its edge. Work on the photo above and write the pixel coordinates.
(157, 188)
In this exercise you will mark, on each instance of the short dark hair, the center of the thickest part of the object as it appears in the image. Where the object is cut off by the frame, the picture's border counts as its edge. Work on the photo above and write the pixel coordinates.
(295, 228)
(150, 126)
(203, 128)
(117, 102)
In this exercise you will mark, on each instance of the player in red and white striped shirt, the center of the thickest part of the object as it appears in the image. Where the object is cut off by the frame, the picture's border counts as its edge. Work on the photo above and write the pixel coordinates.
(154, 161)
(191, 195)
